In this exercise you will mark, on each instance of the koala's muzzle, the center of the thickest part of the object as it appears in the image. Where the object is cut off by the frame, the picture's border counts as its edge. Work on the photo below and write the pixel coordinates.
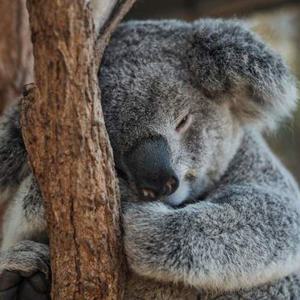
(150, 168)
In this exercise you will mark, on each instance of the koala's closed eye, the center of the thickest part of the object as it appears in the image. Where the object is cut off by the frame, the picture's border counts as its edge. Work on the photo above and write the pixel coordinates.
(184, 123)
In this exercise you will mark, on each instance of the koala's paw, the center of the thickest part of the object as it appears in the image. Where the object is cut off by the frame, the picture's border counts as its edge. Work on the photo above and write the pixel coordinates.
(25, 272)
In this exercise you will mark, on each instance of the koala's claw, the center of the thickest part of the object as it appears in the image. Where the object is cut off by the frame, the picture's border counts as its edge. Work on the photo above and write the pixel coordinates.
(25, 272)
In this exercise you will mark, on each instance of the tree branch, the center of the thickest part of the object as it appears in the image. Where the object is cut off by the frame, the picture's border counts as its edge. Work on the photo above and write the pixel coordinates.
(116, 16)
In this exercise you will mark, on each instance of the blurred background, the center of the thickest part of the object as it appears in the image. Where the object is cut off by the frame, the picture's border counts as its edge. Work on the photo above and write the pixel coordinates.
(277, 21)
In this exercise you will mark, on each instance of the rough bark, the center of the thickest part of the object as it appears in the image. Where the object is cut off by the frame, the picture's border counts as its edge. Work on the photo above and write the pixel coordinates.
(16, 63)
(69, 152)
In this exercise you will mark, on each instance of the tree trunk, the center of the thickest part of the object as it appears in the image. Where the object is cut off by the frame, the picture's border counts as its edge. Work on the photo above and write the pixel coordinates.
(16, 63)
(69, 152)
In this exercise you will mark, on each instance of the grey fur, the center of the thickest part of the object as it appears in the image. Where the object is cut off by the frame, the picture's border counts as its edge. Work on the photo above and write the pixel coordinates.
(12, 171)
(27, 256)
(232, 229)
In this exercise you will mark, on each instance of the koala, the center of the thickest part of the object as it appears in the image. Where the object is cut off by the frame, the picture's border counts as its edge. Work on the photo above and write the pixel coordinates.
(209, 212)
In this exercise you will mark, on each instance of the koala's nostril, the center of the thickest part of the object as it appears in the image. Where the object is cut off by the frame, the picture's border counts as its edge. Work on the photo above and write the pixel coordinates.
(170, 186)
(148, 193)
(166, 187)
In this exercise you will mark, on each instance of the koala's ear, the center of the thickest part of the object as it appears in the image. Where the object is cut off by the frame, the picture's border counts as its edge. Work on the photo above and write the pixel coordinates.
(230, 63)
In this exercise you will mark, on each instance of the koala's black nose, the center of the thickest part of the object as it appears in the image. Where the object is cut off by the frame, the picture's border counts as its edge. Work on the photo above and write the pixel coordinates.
(150, 168)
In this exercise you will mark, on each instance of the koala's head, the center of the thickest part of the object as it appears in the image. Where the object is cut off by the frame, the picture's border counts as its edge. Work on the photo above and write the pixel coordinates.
(177, 97)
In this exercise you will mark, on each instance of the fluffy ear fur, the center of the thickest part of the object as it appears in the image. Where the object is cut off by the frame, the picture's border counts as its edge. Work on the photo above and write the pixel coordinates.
(227, 61)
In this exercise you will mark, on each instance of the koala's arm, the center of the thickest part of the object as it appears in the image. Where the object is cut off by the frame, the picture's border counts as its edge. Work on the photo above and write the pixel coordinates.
(25, 216)
(241, 237)
(25, 213)
(13, 157)
(24, 254)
